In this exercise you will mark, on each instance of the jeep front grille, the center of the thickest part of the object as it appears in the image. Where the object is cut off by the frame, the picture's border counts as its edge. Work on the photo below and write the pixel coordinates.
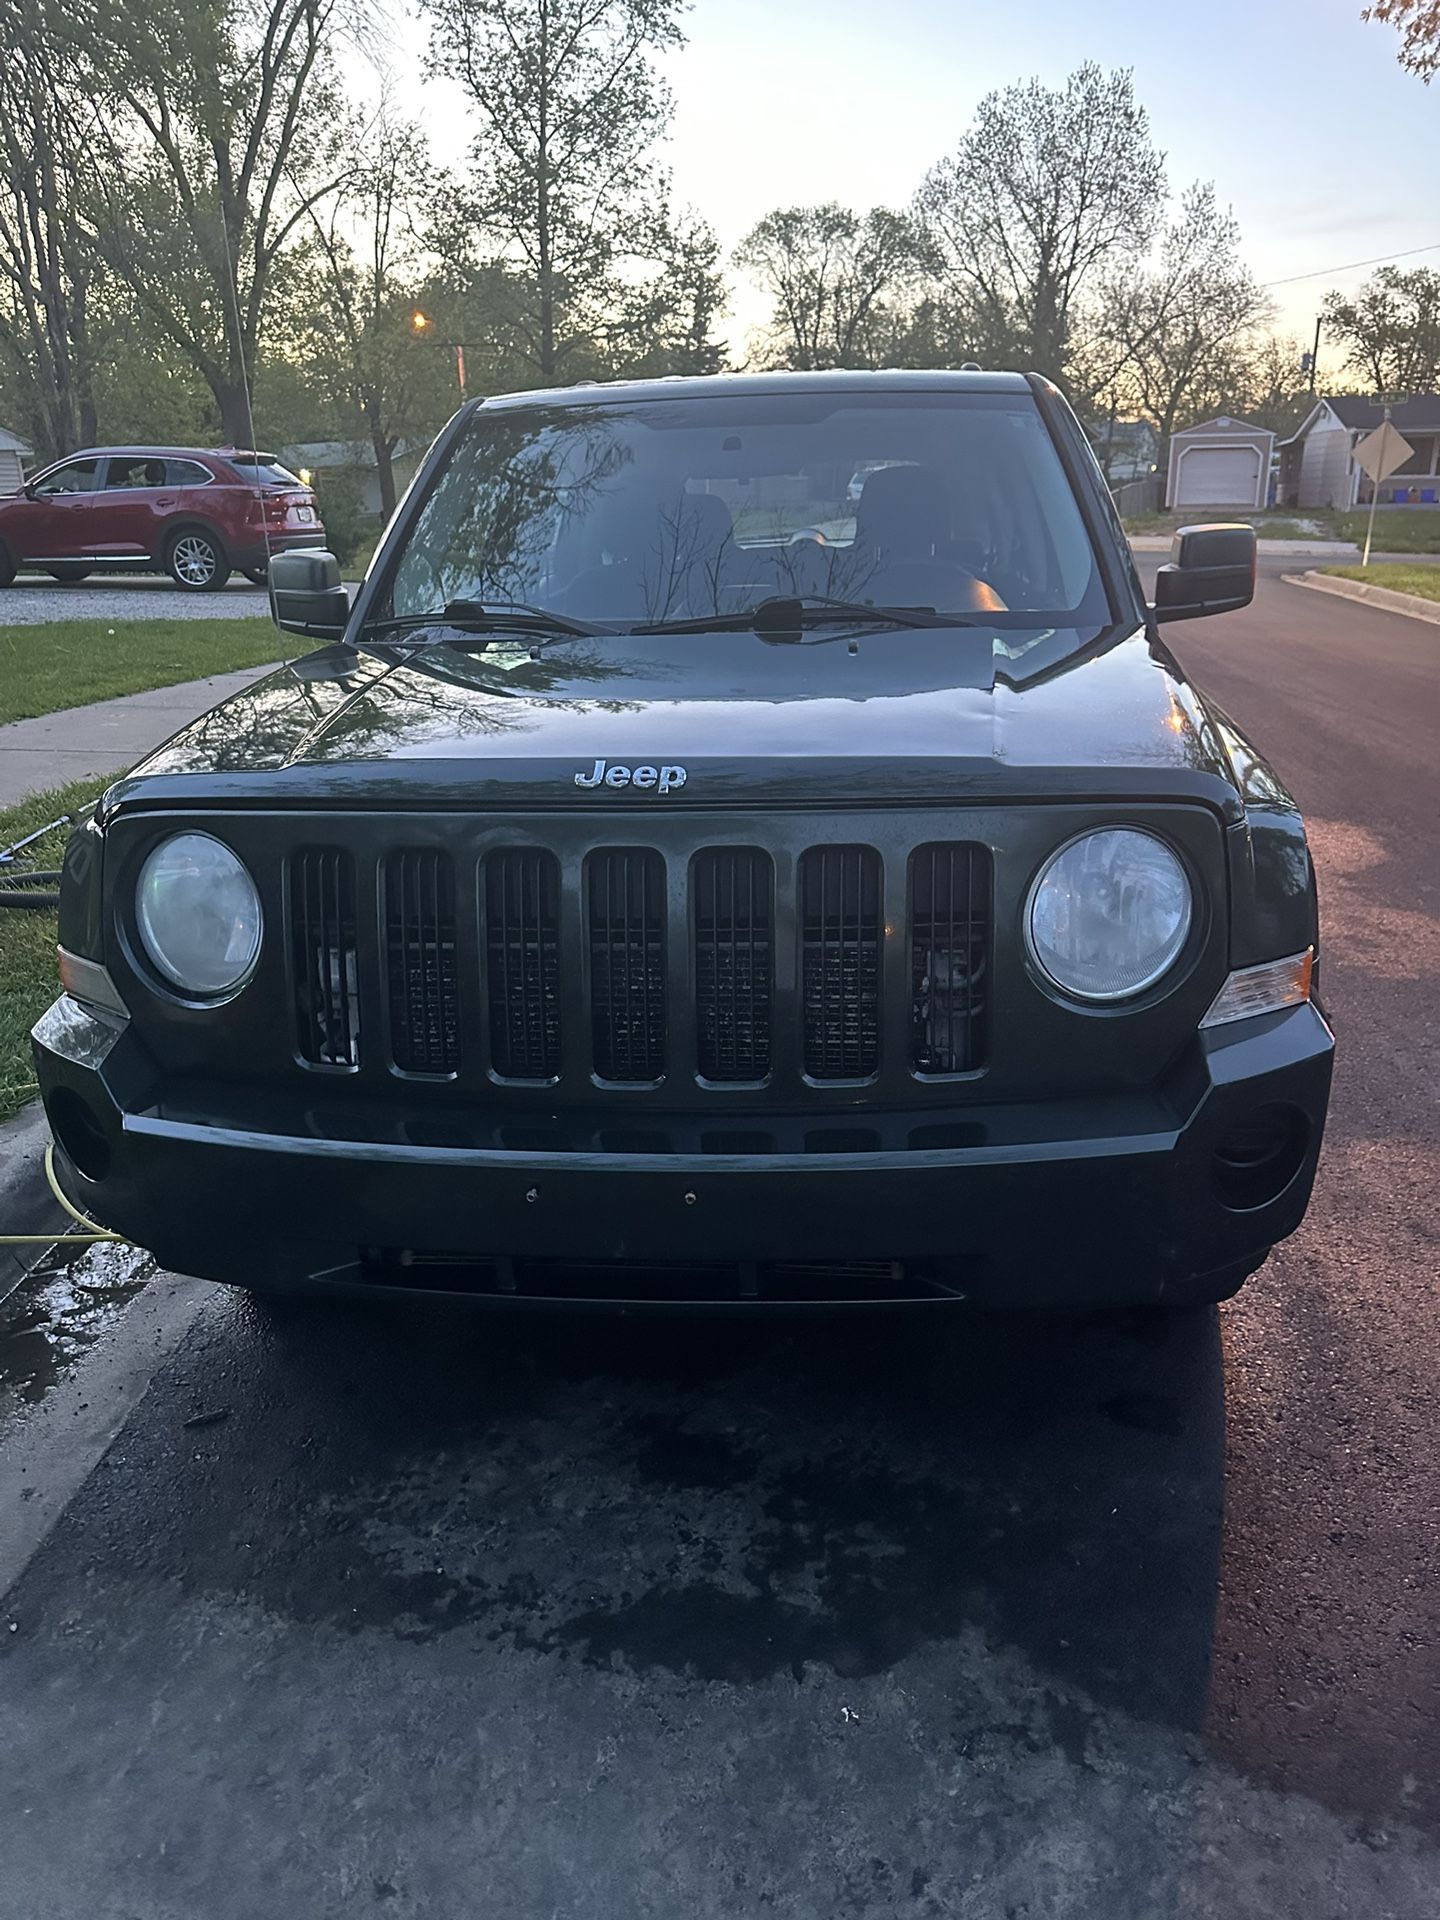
(730, 895)
(522, 962)
(684, 975)
(626, 901)
(420, 964)
(949, 953)
(840, 938)
(323, 957)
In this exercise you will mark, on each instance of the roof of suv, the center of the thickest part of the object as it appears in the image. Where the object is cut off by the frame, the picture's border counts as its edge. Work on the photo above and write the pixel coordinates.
(713, 385)
(130, 452)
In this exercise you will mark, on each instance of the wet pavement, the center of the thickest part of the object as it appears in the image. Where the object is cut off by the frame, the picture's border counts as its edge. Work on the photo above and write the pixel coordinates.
(1096, 1618)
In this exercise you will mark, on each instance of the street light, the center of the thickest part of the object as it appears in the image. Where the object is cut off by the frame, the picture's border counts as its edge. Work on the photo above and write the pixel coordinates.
(420, 324)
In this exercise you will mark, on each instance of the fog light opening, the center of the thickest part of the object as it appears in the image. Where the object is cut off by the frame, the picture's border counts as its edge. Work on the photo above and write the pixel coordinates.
(78, 1134)
(1260, 1156)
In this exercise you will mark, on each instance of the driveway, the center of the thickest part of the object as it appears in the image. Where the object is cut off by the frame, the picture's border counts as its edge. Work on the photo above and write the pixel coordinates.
(1088, 1619)
(32, 603)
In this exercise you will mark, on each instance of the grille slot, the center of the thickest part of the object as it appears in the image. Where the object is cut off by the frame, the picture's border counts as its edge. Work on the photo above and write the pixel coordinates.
(840, 935)
(626, 894)
(522, 951)
(320, 888)
(421, 966)
(731, 894)
(949, 945)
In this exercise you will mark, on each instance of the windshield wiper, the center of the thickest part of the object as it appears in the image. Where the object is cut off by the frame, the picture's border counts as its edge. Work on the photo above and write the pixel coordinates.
(489, 616)
(789, 614)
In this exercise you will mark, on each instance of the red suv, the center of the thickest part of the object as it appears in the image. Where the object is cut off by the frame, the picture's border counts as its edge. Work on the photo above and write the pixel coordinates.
(197, 515)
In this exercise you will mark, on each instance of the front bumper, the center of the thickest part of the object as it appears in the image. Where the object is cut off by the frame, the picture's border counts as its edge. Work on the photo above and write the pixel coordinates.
(261, 552)
(1124, 1200)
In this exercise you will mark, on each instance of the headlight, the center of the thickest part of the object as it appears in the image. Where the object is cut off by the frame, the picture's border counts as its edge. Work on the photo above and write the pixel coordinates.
(1109, 914)
(199, 915)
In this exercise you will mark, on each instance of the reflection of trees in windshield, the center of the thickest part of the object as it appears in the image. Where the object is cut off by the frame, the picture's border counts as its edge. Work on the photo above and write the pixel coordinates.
(501, 506)
(624, 514)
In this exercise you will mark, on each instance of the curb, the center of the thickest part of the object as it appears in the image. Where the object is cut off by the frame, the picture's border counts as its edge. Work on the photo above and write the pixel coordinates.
(26, 1202)
(1386, 598)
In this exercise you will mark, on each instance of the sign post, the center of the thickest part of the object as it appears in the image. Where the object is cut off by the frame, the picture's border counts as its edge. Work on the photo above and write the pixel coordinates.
(1380, 454)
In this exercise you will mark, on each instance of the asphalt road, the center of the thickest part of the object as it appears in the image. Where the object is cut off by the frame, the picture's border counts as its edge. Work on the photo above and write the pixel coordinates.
(1106, 1619)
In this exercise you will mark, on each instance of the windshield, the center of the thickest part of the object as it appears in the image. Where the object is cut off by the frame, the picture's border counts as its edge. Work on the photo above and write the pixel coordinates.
(668, 510)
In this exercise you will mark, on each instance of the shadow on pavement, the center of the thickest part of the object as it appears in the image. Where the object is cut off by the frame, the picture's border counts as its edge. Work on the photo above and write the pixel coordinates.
(734, 1502)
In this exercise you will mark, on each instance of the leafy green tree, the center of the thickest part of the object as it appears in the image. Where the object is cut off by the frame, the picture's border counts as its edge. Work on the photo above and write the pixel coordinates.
(1048, 189)
(663, 322)
(1390, 330)
(836, 279)
(47, 266)
(387, 379)
(563, 184)
(218, 127)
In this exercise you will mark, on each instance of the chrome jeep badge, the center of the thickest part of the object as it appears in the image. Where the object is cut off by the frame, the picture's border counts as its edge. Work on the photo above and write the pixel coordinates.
(660, 779)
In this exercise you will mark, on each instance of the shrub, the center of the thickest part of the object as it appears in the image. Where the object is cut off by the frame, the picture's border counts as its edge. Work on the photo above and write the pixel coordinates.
(342, 509)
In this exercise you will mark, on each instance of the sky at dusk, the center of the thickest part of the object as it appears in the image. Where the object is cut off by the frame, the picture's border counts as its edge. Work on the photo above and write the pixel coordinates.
(1328, 151)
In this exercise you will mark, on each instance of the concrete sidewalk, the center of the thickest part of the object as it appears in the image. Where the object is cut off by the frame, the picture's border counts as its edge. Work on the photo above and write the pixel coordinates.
(106, 737)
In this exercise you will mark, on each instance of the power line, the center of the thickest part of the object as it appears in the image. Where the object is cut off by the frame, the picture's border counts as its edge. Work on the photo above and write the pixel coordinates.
(1381, 259)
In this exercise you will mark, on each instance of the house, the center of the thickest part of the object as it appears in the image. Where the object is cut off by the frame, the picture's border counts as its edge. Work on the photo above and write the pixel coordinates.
(12, 462)
(1126, 449)
(1318, 466)
(1219, 463)
(312, 459)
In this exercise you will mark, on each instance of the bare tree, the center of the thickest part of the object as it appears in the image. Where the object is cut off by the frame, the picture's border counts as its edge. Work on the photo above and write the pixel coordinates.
(1166, 336)
(564, 180)
(1049, 187)
(217, 130)
(47, 268)
(832, 275)
(1419, 24)
(1391, 329)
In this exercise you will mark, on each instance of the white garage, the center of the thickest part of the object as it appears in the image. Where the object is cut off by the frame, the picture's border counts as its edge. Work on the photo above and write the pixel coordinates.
(1220, 463)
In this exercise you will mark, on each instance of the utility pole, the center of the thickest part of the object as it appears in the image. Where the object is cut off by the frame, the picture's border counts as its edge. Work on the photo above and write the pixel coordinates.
(1315, 354)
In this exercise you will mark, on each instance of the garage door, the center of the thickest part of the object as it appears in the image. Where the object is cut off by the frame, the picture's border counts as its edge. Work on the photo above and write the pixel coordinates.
(1217, 477)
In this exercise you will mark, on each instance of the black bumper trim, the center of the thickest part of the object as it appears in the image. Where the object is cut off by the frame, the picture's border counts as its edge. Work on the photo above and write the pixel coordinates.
(1099, 1215)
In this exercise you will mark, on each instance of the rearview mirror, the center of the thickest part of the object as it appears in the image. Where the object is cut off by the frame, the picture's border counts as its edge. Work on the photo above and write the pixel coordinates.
(306, 595)
(1211, 570)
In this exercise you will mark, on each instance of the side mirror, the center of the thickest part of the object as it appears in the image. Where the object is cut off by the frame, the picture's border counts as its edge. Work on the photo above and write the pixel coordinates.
(1211, 570)
(306, 595)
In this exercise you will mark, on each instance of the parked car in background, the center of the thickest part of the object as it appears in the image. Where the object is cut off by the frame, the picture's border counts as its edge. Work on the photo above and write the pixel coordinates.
(198, 515)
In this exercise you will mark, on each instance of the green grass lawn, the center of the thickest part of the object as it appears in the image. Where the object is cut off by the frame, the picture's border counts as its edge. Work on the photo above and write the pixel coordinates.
(71, 662)
(1397, 529)
(27, 940)
(1269, 525)
(1424, 581)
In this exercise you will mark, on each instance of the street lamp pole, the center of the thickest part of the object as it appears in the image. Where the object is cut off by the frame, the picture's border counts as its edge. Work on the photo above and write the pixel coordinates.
(420, 325)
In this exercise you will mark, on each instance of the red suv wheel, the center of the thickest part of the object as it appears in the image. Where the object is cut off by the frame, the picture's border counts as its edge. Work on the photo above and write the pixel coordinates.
(195, 559)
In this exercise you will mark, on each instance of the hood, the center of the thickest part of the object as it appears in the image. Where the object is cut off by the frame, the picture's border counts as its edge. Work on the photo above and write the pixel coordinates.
(919, 714)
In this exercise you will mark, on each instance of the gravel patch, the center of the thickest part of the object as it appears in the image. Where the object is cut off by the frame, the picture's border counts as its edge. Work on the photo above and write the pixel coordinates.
(132, 597)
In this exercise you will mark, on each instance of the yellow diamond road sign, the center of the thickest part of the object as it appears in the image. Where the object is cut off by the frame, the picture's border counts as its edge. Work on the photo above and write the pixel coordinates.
(1381, 452)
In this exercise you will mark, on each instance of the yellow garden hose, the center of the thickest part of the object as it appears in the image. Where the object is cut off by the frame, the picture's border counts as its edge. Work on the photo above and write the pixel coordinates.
(92, 1231)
